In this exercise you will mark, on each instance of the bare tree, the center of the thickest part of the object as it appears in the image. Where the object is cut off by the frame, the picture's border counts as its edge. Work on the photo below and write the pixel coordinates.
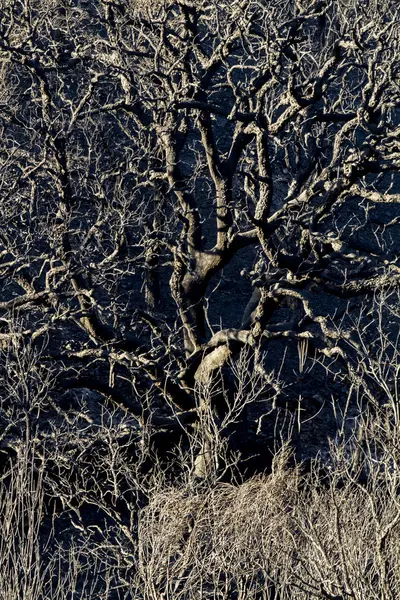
(146, 145)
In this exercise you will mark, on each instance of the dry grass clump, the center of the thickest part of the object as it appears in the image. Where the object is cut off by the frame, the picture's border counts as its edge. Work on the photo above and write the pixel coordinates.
(222, 541)
(289, 535)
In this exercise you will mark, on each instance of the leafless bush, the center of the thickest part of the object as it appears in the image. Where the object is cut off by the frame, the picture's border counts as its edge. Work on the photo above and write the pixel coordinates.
(33, 566)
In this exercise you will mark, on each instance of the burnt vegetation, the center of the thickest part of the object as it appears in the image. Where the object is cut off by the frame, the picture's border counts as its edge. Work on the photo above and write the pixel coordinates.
(199, 310)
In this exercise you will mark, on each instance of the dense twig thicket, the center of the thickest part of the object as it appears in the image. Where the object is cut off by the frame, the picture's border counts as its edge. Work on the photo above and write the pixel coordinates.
(199, 267)
(330, 532)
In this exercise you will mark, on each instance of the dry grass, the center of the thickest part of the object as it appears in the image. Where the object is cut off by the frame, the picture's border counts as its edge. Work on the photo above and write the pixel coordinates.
(331, 532)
